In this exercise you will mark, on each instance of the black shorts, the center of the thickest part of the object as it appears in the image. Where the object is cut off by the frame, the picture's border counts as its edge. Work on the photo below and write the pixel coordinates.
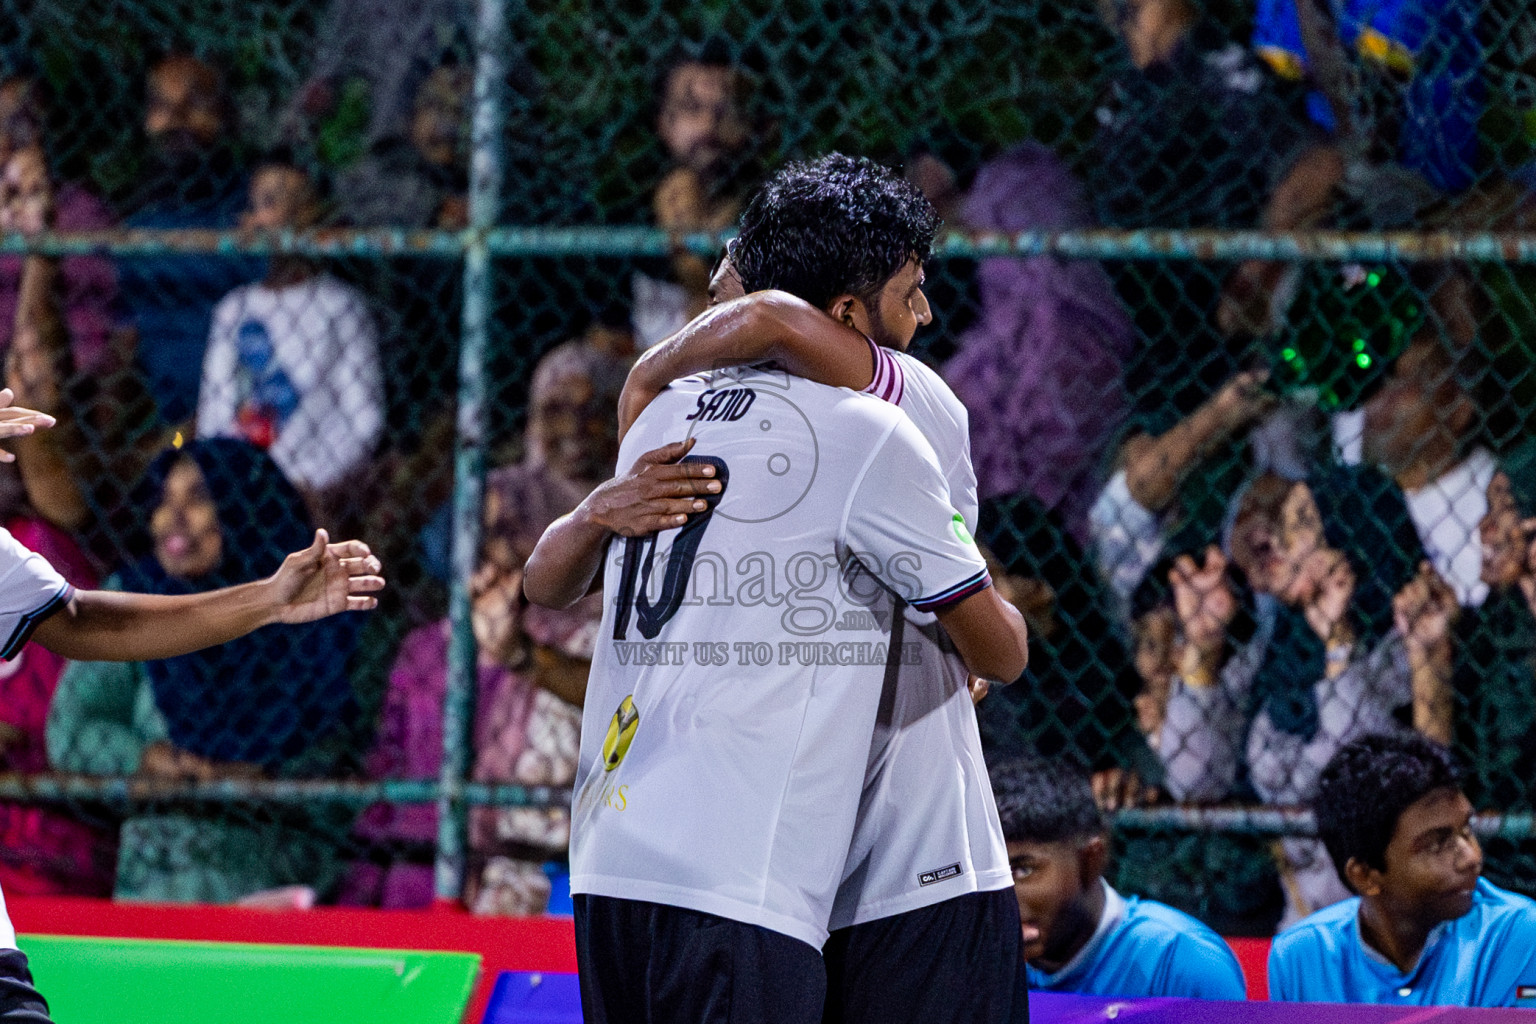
(647, 963)
(956, 962)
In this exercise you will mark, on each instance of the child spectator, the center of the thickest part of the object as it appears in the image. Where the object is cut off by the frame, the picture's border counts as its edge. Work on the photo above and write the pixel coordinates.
(293, 361)
(1042, 369)
(533, 663)
(194, 181)
(275, 703)
(1080, 935)
(1423, 929)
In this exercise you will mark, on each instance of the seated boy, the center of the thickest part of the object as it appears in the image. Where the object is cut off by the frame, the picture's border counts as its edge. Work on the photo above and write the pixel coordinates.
(1424, 930)
(1080, 935)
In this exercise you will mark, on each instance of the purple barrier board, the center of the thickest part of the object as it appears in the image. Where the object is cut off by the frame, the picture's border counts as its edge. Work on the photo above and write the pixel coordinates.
(1057, 1008)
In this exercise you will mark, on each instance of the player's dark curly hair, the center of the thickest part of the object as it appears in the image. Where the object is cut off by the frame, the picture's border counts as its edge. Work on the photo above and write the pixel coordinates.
(1045, 801)
(830, 226)
(1366, 787)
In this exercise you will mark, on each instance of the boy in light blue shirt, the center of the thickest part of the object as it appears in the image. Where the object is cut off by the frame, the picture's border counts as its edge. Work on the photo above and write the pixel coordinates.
(1079, 934)
(1425, 929)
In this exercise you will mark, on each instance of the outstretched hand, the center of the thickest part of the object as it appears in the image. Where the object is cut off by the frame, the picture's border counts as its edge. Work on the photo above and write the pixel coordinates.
(326, 579)
(18, 422)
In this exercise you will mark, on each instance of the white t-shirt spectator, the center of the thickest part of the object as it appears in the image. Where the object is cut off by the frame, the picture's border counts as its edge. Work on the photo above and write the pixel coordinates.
(296, 371)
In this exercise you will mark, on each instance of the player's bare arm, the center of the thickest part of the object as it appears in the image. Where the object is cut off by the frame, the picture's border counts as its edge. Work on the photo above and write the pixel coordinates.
(657, 493)
(764, 326)
(990, 635)
(322, 580)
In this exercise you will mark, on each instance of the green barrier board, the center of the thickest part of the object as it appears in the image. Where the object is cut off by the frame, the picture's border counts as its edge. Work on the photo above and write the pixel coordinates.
(137, 981)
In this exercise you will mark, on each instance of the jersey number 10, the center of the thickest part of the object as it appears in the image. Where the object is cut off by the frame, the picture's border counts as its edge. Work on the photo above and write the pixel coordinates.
(639, 553)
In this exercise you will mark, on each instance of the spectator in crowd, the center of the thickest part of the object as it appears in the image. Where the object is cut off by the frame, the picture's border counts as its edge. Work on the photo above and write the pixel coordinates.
(1080, 935)
(87, 285)
(533, 661)
(1397, 81)
(276, 703)
(1227, 880)
(1423, 929)
(705, 123)
(1422, 428)
(1495, 663)
(293, 361)
(194, 180)
(1042, 368)
(370, 60)
(1195, 133)
(48, 851)
(1357, 636)
(1173, 486)
(419, 178)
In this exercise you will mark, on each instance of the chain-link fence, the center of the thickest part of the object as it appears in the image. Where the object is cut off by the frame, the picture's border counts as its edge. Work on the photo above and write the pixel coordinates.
(279, 266)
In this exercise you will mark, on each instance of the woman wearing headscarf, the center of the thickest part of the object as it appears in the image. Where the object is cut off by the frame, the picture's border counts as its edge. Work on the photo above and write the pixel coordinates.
(277, 702)
(1043, 368)
(1354, 645)
(532, 668)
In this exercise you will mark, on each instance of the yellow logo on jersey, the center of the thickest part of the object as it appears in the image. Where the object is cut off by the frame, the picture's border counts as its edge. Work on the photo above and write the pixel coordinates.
(621, 732)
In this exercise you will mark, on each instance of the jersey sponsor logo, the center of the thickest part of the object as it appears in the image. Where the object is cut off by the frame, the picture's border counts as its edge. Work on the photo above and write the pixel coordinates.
(621, 733)
(939, 874)
(729, 405)
(1525, 992)
(963, 535)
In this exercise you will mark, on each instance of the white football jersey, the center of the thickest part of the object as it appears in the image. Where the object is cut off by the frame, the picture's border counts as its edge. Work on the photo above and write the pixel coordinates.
(30, 591)
(733, 694)
(927, 828)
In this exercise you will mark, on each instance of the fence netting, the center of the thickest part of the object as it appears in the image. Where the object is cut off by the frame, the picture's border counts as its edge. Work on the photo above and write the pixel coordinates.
(1251, 509)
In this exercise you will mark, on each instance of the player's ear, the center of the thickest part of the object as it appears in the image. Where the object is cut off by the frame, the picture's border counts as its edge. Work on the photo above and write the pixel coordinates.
(1092, 857)
(1363, 878)
(845, 309)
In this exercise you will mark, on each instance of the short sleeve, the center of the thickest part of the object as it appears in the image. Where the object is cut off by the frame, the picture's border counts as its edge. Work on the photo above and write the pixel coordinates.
(903, 526)
(1281, 987)
(1512, 965)
(30, 591)
(889, 382)
(1205, 970)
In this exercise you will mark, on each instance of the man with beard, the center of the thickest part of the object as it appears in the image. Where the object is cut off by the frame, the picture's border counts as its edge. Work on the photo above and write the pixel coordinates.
(852, 238)
(704, 124)
(194, 181)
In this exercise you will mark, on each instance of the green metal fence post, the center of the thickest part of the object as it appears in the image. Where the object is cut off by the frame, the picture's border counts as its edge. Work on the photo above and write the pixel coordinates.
(469, 455)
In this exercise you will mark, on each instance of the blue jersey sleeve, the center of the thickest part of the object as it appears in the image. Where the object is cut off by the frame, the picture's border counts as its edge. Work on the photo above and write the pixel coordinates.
(1203, 968)
(1510, 962)
(1283, 977)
